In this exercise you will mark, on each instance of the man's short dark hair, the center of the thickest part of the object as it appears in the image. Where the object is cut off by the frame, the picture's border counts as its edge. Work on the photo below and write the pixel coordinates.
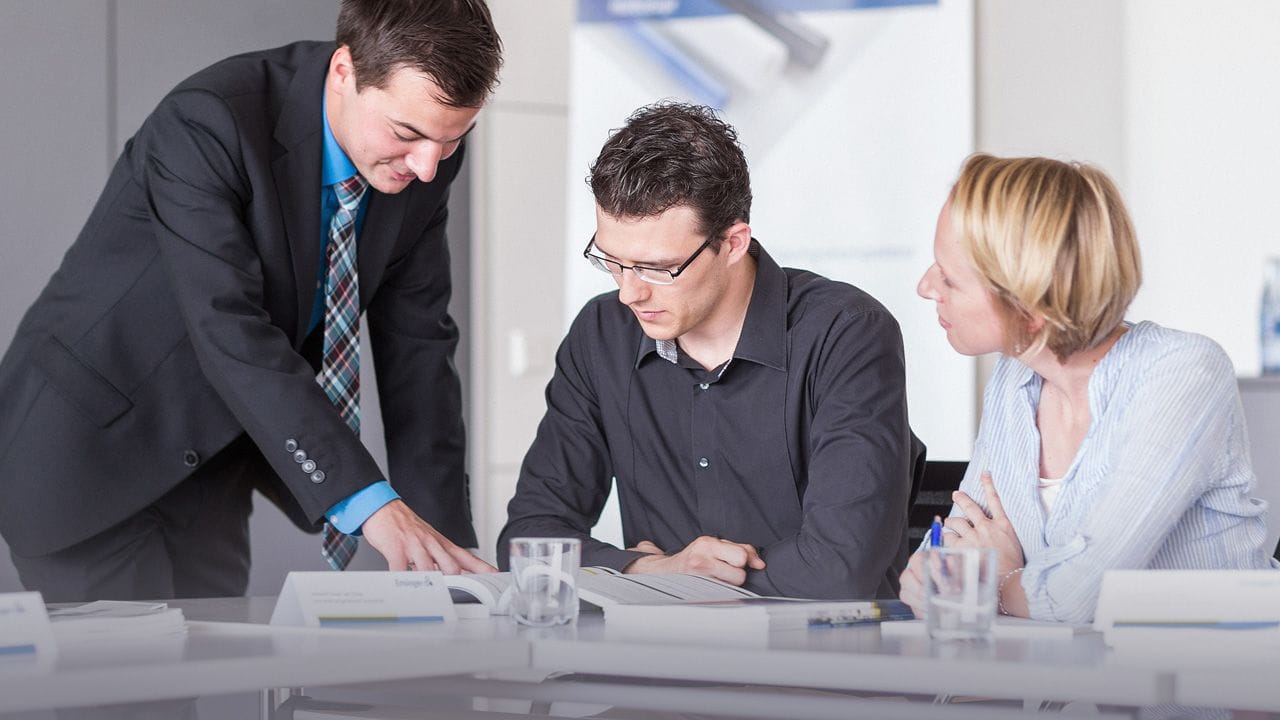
(453, 42)
(671, 154)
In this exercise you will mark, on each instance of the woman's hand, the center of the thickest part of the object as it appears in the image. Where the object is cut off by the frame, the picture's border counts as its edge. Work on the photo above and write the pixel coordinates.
(911, 581)
(979, 529)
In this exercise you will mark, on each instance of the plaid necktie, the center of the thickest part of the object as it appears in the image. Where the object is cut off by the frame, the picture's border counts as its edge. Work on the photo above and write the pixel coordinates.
(340, 366)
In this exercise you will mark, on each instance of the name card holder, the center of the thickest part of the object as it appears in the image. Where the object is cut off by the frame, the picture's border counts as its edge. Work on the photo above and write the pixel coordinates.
(26, 638)
(363, 599)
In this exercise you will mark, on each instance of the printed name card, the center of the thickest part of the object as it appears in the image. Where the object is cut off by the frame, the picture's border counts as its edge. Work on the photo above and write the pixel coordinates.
(26, 638)
(1189, 598)
(363, 599)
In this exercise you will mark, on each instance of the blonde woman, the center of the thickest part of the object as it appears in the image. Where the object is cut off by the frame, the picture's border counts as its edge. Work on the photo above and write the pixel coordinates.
(1103, 444)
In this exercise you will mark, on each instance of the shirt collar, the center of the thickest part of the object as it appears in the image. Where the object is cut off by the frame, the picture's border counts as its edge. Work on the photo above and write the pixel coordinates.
(336, 166)
(1101, 382)
(764, 332)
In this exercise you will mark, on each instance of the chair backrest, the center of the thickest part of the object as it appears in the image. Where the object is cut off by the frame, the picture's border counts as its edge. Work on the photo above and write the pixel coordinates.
(941, 478)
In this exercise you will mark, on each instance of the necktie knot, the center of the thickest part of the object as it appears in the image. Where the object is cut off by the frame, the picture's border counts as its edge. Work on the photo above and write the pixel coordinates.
(350, 192)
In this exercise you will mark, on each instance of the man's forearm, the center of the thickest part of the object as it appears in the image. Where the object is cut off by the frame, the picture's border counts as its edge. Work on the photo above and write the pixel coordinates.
(822, 572)
(594, 552)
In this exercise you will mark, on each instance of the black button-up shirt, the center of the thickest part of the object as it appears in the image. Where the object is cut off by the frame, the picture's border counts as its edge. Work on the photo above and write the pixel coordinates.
(798, 445)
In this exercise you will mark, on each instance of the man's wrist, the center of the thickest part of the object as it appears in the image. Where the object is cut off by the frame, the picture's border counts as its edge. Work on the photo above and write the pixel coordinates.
(350, 514)
(642, 564)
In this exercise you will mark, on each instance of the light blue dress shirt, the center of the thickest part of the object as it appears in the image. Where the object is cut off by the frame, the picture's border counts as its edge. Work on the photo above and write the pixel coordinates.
(1161, 480)
(347, 515)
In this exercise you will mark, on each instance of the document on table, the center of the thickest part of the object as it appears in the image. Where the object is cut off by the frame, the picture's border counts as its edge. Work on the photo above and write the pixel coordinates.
(605, 587)
(1005, 627)
(115, 619)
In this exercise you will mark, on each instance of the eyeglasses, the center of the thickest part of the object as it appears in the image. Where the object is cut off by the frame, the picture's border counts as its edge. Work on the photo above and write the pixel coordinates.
(655, 276)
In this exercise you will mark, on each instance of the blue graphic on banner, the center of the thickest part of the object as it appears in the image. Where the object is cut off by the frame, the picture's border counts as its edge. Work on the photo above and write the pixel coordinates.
(614, 10)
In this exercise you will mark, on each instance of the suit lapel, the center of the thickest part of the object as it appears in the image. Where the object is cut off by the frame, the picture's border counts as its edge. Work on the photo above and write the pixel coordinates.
(297, 177)
(382, 222)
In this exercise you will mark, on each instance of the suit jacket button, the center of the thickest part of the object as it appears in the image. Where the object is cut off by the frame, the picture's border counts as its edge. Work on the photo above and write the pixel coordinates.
(317, 477)
(290, 445)
(308, 466)
(190, 458)
(300, 456)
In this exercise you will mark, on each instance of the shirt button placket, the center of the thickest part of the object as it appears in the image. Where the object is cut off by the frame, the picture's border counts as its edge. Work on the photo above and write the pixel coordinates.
(702, 432)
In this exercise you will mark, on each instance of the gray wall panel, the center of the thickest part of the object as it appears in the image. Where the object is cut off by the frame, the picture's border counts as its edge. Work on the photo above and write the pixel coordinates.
(55, 148)
(161, 42)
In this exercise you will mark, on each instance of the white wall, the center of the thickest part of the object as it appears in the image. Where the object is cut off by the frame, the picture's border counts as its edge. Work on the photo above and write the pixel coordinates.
(1202, 162)
(518, 219)
(1049, 81)
(1179, 100)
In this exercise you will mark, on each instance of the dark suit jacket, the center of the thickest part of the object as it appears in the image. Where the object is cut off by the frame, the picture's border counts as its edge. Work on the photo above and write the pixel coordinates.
(175, 322)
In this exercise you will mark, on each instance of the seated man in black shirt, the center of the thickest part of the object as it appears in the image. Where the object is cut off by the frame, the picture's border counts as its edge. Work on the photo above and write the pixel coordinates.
(753, 418)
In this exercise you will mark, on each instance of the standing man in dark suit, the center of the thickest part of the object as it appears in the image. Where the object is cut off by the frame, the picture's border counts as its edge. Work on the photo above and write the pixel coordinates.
(200, 338)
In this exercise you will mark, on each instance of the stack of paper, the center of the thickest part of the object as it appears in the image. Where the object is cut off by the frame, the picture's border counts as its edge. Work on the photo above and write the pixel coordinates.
(116, 620)
(752, 614)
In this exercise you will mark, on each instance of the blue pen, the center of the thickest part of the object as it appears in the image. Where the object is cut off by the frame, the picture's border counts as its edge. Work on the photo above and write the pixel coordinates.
(935, 540)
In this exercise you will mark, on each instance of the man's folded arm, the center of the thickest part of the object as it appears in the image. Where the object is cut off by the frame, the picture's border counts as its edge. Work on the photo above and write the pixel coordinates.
(859, 473)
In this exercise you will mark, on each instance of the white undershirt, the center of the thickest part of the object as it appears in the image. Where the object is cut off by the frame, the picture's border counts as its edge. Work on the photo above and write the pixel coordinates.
(1049, 492)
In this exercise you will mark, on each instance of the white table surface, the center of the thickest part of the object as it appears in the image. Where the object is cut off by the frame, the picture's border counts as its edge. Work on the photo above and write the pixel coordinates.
(228, 657)
(227, 650)
(858, 658)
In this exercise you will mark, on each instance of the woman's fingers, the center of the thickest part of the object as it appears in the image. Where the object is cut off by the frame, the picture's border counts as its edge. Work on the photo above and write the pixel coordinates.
(993, 498)
(973, 512)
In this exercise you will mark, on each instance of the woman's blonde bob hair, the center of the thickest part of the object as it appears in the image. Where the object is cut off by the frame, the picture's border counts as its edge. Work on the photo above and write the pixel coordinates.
(1054, 243)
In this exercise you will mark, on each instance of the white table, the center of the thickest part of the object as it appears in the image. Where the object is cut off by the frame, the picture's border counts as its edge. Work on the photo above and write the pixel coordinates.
(229, 657)
(781, 674)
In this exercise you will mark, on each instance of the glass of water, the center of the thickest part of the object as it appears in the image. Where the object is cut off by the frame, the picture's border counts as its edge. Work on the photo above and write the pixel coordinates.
(960, 592)
(544, 580)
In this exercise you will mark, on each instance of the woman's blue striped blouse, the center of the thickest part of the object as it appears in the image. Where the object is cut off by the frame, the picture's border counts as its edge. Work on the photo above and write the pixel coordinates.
(1161, 480)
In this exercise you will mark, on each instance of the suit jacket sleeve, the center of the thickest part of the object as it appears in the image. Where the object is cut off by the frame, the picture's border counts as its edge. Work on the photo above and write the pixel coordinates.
(861, 452)
(199, 197)
(414, 340)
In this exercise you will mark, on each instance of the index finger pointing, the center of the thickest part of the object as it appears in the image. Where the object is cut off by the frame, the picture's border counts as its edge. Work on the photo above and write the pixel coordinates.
(469, 562)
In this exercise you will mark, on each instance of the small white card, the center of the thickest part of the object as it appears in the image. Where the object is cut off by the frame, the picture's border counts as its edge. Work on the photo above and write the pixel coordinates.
(26, 639)
(363, 599)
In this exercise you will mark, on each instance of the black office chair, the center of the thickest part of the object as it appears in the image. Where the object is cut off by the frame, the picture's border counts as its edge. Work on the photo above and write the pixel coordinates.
(940, 479)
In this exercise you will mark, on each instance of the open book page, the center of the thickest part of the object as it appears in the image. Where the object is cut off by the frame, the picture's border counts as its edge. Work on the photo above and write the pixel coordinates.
(612, 588)
(596, 585)
(486, 588)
